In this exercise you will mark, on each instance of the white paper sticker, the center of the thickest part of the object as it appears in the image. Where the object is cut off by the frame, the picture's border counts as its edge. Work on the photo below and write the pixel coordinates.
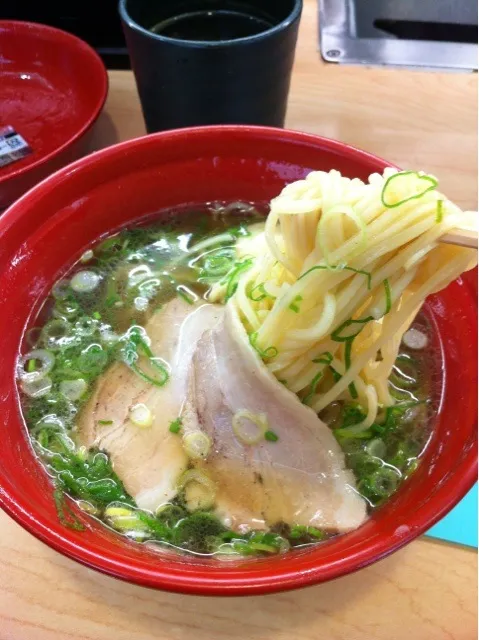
(12, 146)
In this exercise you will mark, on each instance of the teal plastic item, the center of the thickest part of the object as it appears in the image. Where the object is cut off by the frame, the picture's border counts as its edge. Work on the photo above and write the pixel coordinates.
(460, 525)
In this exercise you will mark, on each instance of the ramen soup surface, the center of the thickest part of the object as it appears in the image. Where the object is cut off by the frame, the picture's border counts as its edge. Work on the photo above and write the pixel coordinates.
(151, 407)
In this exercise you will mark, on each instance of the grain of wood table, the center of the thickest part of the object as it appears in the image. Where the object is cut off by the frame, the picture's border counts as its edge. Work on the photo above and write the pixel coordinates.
(426, 591)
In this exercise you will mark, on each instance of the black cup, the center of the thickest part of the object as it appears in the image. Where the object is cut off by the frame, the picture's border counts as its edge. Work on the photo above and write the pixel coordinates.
(237, 70)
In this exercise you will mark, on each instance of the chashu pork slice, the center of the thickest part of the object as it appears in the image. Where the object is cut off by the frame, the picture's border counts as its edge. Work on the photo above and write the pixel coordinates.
(299, 479)
(149, 460)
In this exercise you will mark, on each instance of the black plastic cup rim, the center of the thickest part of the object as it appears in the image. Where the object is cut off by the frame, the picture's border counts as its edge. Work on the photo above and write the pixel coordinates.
(294, 15)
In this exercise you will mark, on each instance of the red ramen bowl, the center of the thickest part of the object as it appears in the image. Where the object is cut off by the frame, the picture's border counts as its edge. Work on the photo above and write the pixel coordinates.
(52, 225)
(52, 89)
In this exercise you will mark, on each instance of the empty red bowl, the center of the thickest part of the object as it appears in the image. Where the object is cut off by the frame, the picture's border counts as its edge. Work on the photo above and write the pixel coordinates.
(53, 224)
(52, 89)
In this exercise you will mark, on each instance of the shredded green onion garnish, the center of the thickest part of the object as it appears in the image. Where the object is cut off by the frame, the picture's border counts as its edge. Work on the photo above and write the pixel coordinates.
(336, 375)
(269, 352)
(233, 276)
(240, 232)
(347, 363)
(65, 513)
(175, 425)
(217, 264)
(185, 294)
(105, 422)
(294, 306)
(430, 184)
(271, 436)
(31, 366)
(312, 387)
(96, 315)
(387, 290)
(336, 335)
(261, 291)
(136, 343)
(339, 267)
(439, 211)
(324, 358)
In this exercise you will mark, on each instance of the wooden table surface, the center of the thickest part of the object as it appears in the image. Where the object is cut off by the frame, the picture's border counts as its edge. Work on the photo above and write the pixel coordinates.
(426, 591)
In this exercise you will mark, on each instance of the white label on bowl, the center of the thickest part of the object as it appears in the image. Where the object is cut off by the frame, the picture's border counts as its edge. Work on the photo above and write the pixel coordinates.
(12, 146)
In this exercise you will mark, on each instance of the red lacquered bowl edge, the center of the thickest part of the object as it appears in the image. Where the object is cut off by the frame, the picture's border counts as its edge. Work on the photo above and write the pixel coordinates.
(21, 178)
(265, 576)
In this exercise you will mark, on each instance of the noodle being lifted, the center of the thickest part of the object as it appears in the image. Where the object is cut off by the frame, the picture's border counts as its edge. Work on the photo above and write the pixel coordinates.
(230, 386)
(339, 274)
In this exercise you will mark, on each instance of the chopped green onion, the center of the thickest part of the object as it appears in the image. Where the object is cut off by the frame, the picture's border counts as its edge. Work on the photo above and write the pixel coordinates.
(259, 420)
(112, 299)
(347, 363)
(312, 388)
(96, 315)
(301, 531)
(199, 481)
(261, 290)
(197, 445)
(233, 276)
(141, 416)
(241, 231)
(339, 267)
(430, 183)
(65, 513)
(269, 352)
(56, 333)
(159, 382)
(86, 326)
(336, 375)
(336, 335)
(61, 289)
(73, 389)
(66, 308)
(324, 358)
(127, 521)
(376, 448)
(387, 289)
(187, 295)
(439, 211)
(343, 434)
(37, 387)
(85, 281)
(92, 360)
(271, 436)
(105, 422)
(216, 263)
(42, 357)
(175, 425)
(384, 481)
(136, 343)
(293, 306)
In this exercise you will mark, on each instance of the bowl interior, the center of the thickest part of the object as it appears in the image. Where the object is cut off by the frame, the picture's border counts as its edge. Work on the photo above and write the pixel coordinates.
(52, 85)
(50, 227)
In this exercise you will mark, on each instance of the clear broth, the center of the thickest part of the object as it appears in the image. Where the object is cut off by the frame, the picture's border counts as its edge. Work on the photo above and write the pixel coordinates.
(78, 327)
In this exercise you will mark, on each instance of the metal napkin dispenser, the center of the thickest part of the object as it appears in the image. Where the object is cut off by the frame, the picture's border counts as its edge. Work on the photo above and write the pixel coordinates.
(437, 34)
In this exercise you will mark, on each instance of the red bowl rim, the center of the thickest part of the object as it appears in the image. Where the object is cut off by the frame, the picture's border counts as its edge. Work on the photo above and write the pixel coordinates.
(268, 581)
(82, 46)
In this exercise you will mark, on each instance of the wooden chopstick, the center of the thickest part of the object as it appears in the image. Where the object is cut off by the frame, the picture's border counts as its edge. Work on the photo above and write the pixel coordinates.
(461, 238)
